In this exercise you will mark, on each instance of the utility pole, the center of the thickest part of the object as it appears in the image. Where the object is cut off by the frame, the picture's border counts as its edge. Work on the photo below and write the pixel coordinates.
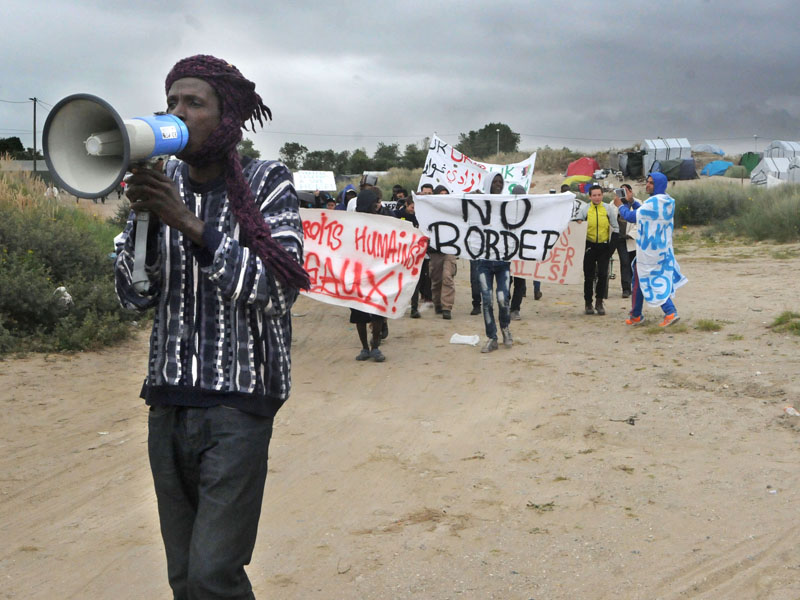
(498, 141)
(755, 142)
(34, 133)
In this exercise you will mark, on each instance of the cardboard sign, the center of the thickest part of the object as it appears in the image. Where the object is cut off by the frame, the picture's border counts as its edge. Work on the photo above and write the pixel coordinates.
(460, 174)
(311, 181)
(362, 261)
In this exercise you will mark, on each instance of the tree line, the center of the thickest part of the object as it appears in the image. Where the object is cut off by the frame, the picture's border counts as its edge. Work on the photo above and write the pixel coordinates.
(12, 146)
(480, 143)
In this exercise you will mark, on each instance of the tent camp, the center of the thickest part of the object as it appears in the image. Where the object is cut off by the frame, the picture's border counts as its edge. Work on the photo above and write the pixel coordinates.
(750, 160)
(717, 167)
(583, 166)
(782, 149)
(708, 148)
(665, 149)
(777, 168)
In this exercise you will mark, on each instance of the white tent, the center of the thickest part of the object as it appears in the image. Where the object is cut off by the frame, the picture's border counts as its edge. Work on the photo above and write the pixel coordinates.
(782, 149)
(778, 168)
(794, 170)
(665, 149)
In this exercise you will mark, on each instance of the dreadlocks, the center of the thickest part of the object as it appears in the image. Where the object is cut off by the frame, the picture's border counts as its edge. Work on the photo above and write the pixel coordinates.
(240, 104)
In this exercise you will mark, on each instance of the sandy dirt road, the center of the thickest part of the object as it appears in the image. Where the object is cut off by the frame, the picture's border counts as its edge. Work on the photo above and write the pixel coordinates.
(445, 473)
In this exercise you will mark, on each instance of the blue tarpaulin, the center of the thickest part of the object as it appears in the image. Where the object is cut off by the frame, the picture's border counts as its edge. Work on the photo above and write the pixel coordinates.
(717, 167)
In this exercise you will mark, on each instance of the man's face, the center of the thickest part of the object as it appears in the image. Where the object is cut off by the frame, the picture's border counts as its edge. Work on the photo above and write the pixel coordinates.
(596, 196)
(497, 185)
(195, 103)
(628, 194)
(410, 208)
(400, 196)
(649, 186)
(426, 191)
(330, 204)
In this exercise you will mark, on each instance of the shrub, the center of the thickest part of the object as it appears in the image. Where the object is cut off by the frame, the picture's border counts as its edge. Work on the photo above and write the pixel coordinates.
(44, 246)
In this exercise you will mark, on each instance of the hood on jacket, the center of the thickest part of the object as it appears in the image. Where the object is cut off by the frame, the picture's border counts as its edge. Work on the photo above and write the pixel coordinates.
(366, 200)
(659, 183)
(348, 188)
(487, 183)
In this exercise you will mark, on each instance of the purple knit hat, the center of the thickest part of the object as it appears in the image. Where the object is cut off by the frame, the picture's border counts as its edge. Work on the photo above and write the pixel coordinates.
(240, 104)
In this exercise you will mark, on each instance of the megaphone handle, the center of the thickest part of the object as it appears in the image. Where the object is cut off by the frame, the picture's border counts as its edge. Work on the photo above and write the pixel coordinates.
(140, 281)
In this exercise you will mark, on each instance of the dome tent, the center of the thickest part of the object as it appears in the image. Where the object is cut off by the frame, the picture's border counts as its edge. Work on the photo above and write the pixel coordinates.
(750, 160)
(739, 171)
(583, 166)
(717, 167)
(711, 148)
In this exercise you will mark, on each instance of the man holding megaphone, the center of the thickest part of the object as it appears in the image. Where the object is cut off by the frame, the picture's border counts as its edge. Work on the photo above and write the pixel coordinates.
(224, 267)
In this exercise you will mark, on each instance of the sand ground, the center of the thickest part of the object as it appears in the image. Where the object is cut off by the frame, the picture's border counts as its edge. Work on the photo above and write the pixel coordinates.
(446, 473)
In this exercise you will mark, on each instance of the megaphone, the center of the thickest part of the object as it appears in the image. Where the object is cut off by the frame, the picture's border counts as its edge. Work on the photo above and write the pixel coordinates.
(88, 146)
(88, 149)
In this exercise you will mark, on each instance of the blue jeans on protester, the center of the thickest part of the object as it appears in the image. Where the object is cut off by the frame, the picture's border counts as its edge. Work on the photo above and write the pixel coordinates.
(637, 301)
(209, 467)
(500, 272)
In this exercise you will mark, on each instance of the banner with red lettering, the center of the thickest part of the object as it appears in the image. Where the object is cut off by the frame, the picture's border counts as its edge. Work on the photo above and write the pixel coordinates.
(564, 263)
(362, 261)
(460, 174)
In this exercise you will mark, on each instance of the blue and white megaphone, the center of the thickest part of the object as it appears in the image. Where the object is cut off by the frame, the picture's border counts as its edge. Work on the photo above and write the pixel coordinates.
(88, 148)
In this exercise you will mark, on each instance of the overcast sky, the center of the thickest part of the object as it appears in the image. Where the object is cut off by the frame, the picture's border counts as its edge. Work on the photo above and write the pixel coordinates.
(585, 74)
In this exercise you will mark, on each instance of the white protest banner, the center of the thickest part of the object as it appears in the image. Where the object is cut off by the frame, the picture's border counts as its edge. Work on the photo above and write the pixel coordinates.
(563, 265)
(311, 181)
(460, 174)
(494, 227)
(659, 273)
(363, 261)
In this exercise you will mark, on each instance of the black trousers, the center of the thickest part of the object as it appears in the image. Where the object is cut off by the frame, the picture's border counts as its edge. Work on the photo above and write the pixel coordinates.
(595, 264)
(621, 248)
(423, 286)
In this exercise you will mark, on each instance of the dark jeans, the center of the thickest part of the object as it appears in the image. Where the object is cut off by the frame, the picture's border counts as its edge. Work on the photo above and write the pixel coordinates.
(209, 467)
(520, 291)
(500, 272)
(423, 286)
(595, 263)
(621, 248)
(474, 285)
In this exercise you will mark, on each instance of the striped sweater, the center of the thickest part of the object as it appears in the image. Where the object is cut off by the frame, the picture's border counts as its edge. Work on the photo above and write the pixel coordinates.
(222, 326)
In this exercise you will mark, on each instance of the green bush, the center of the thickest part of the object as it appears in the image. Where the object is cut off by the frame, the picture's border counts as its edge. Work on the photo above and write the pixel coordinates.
(708, 204)
(753, 212)
(44, 246)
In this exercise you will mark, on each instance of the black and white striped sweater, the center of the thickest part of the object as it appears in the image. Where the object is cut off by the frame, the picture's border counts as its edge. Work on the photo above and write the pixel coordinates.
(222, 327)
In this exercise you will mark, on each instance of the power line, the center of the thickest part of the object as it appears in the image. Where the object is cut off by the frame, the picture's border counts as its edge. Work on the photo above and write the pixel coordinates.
(15, 101)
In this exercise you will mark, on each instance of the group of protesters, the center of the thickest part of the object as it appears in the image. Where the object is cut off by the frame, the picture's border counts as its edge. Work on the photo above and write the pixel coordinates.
(610, 230)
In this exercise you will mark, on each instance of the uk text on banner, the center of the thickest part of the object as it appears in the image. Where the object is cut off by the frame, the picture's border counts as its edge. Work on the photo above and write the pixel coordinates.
(311, 181)
(368, 262)
(659, 273)
(460, 174)
(494, 227)
(564, 264)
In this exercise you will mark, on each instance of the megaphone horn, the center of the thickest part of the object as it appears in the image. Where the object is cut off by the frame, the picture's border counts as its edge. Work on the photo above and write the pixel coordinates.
(88, 146)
